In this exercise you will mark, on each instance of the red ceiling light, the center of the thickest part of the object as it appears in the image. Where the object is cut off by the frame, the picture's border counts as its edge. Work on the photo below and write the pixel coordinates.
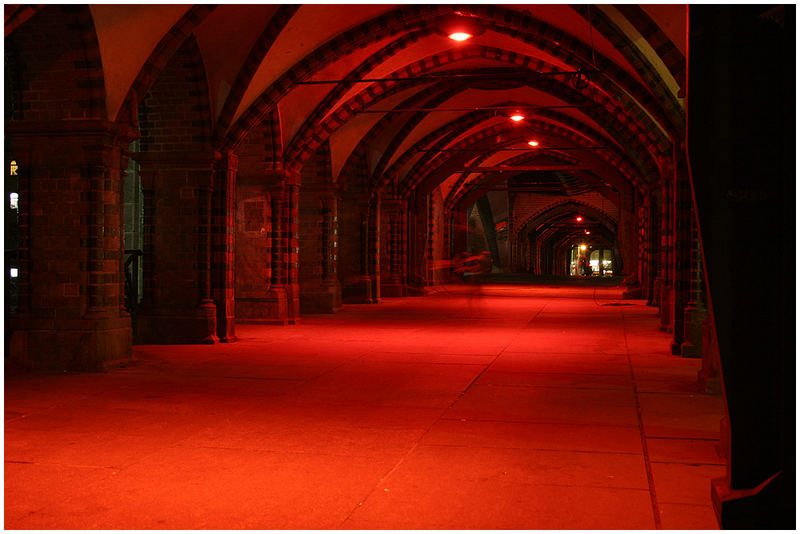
(517, 117)
(459, 36)
(587, 232)
(533, 143)
(579, 218)
(458, 27)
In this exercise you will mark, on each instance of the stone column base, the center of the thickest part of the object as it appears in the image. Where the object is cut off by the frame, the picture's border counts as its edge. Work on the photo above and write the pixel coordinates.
(358, 291)
(766, 506)
(177, 326)
(324, 299)
(77, 345)
(226, 326)
(711, 385)
(271, 308)
(293, 302)
(708, 377)
(665, 305)
(693, 317)
(394, 289)
(655, 299)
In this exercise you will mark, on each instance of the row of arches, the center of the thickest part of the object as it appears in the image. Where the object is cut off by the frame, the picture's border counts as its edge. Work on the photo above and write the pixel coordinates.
(252, 163)
(241, 195)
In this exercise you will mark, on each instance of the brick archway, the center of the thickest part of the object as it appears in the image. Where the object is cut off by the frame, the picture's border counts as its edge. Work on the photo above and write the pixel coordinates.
(520, 247)
(159, 58)
(420, 17)
(48, 84)
(615, 160)
(562, 206)
(629, 133)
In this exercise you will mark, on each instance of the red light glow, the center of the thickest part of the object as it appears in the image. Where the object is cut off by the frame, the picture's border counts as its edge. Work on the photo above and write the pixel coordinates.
(579, 218)
(517, 117)
(459, 36)
(533, 143)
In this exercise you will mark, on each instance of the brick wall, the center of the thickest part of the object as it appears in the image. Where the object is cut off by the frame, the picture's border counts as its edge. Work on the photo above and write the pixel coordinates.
(70, 286)
(223, 235)
(260, 250)
(63, 81)
(175, 116)
(352, 208)
(179, 170)
(315, 172)
(260, 150)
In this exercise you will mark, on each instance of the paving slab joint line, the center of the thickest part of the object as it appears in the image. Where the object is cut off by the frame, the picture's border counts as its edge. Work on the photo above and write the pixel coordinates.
(648, 468)
(59, 464)
(427, 430)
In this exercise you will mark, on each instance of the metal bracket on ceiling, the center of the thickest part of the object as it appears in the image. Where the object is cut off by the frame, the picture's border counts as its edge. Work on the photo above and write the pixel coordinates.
(437, 77)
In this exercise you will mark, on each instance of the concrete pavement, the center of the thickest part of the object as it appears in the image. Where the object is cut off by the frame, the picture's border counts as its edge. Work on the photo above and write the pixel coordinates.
(538, 407)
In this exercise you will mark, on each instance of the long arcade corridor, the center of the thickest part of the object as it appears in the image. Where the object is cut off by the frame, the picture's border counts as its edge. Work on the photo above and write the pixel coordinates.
(526, 407)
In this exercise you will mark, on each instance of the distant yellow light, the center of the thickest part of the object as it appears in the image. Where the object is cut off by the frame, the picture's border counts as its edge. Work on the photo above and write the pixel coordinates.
(583, 247)
(459, 36)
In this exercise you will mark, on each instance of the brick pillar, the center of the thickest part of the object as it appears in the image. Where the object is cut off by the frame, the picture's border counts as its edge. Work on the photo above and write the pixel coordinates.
(429, 265)
(627, 237)
(71, 302)
(355, 277)
(416, 235)
(695, 313)
(253, 262)
(330, 246)
(393, 213)
(224, 236)
(665, 294)
(273, 307)
(292, 238)
(709, 376)
(682, 250)
(641, 239)
(459, 230)
(652, 233)
(177, 305)
(374, 248)
(742, 144)
(512, 257)
(319, 285)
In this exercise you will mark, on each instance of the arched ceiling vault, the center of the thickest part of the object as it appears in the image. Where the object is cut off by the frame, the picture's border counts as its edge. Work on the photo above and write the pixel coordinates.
(557, 223)
(262, 58)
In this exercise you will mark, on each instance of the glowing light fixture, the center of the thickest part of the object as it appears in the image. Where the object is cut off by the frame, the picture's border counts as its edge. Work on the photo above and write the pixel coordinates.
(587, 232)
(13, 199)
(517, 117)
(459, 36)
(533, 143)
(579, 218)
(13, 272)
(583, 247)
(458, 27)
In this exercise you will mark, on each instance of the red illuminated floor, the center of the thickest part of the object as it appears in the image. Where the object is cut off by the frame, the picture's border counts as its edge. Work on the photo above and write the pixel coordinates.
(542, 409)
